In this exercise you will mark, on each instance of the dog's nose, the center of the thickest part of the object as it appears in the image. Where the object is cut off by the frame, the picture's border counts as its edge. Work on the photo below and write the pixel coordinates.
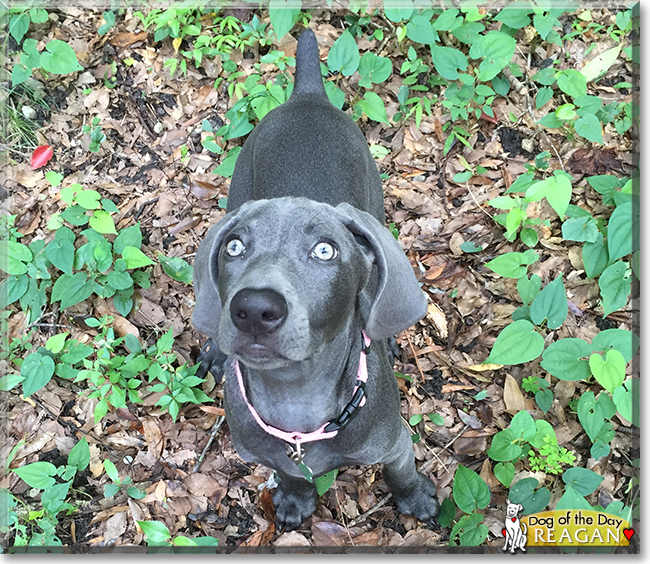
(258, 311)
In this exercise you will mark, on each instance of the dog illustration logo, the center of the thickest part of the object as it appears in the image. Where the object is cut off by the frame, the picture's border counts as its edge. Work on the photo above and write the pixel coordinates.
(514, 531)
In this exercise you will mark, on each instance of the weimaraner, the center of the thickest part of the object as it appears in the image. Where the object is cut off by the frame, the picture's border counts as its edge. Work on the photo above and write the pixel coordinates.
(299, 287)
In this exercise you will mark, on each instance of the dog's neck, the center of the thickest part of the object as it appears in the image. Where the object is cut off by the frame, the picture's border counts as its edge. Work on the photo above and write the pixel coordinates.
(304, 395)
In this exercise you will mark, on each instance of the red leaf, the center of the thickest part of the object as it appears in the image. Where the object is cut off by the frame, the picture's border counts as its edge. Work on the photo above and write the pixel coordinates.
(486, 117)
(41, 156)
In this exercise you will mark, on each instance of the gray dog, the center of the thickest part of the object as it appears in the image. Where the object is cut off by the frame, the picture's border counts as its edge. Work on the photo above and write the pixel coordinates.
(299, 288)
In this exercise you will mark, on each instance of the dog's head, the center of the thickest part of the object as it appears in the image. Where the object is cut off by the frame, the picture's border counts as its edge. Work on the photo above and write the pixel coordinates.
(513, 509)
(277, 279)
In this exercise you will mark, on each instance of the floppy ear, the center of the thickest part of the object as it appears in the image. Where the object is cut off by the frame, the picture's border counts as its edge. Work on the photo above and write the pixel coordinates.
(399, 302)
(207, 311)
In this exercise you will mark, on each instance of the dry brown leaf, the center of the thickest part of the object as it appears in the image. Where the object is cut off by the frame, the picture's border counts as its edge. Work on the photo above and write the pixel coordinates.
(512, 396)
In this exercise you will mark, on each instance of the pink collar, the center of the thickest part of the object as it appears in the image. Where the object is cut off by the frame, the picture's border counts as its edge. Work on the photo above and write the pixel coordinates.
(328, 430)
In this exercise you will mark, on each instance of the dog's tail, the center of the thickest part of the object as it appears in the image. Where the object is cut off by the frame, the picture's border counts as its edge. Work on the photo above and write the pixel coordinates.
(309, 79)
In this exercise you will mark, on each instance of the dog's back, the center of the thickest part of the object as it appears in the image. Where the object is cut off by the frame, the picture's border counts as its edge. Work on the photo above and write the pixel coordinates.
(307, 147)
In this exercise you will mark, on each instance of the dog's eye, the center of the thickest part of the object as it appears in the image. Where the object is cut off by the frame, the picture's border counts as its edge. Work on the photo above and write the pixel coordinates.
(235, 248)
(324, 251)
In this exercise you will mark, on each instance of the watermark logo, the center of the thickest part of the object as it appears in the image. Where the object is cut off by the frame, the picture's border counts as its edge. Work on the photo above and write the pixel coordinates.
(566, 527)
(514, 530)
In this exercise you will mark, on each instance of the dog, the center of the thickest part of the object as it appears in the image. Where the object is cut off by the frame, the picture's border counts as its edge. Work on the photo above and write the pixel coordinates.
(299, 287)
(514, 531)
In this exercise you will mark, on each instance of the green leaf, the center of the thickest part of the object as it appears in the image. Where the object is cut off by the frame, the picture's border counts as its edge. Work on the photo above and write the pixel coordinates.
(572, 500)
(376, 69)
(505, 446)
(13, 288)
(515, 18)
(37, 474)
(18, 26)
(469, 490)
(129, 237)
(398, 10)
(544, 23)
(373, 106)
(496, 49)
(623, 231)
(529, 237)
(589, 127)
(59, 58)
(517, 343)
(471, 530)
(567, 359)
(56, 342)
(72, 289)
(625, 342)
(79, 456)
(284, 14)
(102, 222)
(544, 399)
(470, 247)
(119, 280)
(614, 287)
(509, 265)
(88, 199)
(13, 256)
(324, 482)
(420, 30)
(571, 82)
(551, 305)
(110, 489)
(111, 471)
(344, 55)
(155, 530)
(627, 399)
(524, 492)
(37, 370)
(595, 257)
(593, 414)
(544, 429)
(505, 472)
(529, 288)
(583, 481)
(544, 95)
(61, 254)
(135, 258)
(556, 189)
(523, 426)
(448, 61)
(599, 65)
(580, 229)
(176, 267)
(609, 371)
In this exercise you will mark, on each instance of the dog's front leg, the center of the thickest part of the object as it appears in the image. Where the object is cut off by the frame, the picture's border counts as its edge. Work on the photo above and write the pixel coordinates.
(294, 500)
(414, 493)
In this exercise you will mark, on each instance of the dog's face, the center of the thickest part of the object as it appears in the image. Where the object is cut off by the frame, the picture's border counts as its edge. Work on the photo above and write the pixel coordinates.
(513, 509)
(288, 279)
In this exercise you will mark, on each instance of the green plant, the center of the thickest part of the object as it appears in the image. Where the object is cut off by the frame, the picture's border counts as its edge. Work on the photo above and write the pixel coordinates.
(157, 534)
(470, 494)
(38, 527)
(551, 457)
(119, 483)
(96, 135)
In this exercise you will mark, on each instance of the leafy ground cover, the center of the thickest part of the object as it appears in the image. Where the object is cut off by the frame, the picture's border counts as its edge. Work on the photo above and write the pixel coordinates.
(508, 144)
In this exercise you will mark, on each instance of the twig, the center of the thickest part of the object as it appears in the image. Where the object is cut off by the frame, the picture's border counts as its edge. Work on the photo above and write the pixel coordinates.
(213, 434)
(476, 201)
(415, 356)
(370, 511)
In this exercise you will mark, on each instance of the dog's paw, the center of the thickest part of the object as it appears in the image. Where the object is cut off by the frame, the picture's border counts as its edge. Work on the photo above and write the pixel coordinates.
(212, 360)
(419, 501)
(293, 505)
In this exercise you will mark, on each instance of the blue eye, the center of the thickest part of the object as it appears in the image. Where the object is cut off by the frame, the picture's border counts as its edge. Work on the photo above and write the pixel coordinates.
(235, 248)
(324, 251)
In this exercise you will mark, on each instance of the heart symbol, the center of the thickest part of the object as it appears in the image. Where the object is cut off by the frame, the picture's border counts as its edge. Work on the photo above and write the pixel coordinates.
(628, 533)
(514, 519)
(504, 532)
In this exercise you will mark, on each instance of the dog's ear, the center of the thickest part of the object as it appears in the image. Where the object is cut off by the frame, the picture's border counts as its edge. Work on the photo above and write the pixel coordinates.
(507, 502)
(521, 507)
(207, 311)
(399, 302)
